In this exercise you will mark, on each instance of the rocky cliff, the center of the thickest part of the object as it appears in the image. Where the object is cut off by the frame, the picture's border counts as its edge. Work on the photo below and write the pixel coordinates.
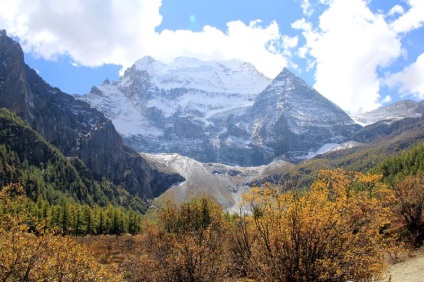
(73, 126)
(219, 111)
(292, 120)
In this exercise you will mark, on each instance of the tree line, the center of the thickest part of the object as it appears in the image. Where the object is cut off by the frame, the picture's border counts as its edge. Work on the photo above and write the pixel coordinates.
(72, 218)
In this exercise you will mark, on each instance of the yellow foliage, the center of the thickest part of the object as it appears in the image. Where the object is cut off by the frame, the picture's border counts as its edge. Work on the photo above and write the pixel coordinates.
(188, 245)
(33, 253)
(45, 256)
(333, 232)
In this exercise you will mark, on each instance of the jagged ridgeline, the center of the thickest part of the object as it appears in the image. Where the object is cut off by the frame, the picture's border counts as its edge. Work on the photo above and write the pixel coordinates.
(27, 158)
(95, 166)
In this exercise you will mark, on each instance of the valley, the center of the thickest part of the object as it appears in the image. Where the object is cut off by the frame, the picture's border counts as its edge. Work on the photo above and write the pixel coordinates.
(208, 161)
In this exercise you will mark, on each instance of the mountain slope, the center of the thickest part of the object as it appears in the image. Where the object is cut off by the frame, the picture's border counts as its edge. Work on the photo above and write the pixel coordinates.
(218, 111)
(222, 183)
(396, 111)
(27, 158)
(74, 127)
(292, 119)
(378, 141)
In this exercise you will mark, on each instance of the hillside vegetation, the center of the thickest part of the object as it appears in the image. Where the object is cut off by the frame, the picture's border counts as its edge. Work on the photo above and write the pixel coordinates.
(403, 135)
(59, 189)
(339, 227)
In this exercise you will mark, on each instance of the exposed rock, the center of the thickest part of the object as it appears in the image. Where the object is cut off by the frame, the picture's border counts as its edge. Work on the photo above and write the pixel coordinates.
(291, 119)
(218, 111)
(73, 126)
(396, 111)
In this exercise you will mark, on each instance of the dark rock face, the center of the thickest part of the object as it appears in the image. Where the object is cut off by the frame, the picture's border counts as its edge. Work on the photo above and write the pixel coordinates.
(380, 130)
(13, 79)
(290, 119)
(420, 108)
(286, 119)
(73, 126)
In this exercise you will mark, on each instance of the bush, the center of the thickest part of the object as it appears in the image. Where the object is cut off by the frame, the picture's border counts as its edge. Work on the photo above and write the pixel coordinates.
(188, 244)
(332, 232)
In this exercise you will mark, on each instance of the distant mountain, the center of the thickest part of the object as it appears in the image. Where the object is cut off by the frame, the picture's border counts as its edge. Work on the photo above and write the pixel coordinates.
(219, 111)
(399, 110)
(292, 120)
(394, 122)
(75, 128)
(373, 143)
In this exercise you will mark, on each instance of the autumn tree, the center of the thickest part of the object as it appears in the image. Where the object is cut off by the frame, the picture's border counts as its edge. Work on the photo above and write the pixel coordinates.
(332, 232)
(187, 245)
(407, 203)
(35, 253)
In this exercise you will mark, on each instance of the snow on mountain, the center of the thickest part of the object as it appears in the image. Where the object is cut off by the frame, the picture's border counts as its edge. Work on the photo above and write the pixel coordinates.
(231, 76)
(222, 183)
(396, 111)
(176, 107)
(292, 119)
(332, 147)
(219, 111)
(186, 86)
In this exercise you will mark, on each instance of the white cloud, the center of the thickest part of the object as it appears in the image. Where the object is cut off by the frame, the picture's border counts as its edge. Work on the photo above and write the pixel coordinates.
(397, 9)
(411, 19)
(348, 45)
(306, 8)
(121, 32)
(251, 43)
(410, 79)
(387, 99)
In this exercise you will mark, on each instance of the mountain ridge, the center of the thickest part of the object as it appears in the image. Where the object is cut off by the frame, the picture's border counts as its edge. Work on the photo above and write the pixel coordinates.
(399, 110)
(175, 108)
(75, 128)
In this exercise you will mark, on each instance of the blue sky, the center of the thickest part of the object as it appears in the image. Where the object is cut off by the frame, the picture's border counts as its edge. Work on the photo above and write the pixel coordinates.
(360, 54)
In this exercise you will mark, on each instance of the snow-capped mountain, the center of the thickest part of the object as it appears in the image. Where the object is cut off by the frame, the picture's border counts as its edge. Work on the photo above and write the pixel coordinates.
(292, 119)
(399, 110)
(219, 111)
(209, 76)
(161, 107)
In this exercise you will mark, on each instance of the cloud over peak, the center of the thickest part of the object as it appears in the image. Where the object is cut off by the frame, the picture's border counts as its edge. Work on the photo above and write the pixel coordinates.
(120, 32)
(346, 46)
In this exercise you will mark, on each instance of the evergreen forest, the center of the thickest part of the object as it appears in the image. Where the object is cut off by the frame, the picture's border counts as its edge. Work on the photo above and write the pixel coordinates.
(323, 223)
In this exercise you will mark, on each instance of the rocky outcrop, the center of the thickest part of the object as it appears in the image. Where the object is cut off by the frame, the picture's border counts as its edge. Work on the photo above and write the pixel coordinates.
(73, 126)
(381, 129)
(219, 111)
(290, 119)
(396, 111)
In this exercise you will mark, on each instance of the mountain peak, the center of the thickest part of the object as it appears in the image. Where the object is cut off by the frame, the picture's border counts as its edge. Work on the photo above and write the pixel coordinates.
(286, 74)
(148, 64)
(146, 60)
(296, 118)
(228, 76)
